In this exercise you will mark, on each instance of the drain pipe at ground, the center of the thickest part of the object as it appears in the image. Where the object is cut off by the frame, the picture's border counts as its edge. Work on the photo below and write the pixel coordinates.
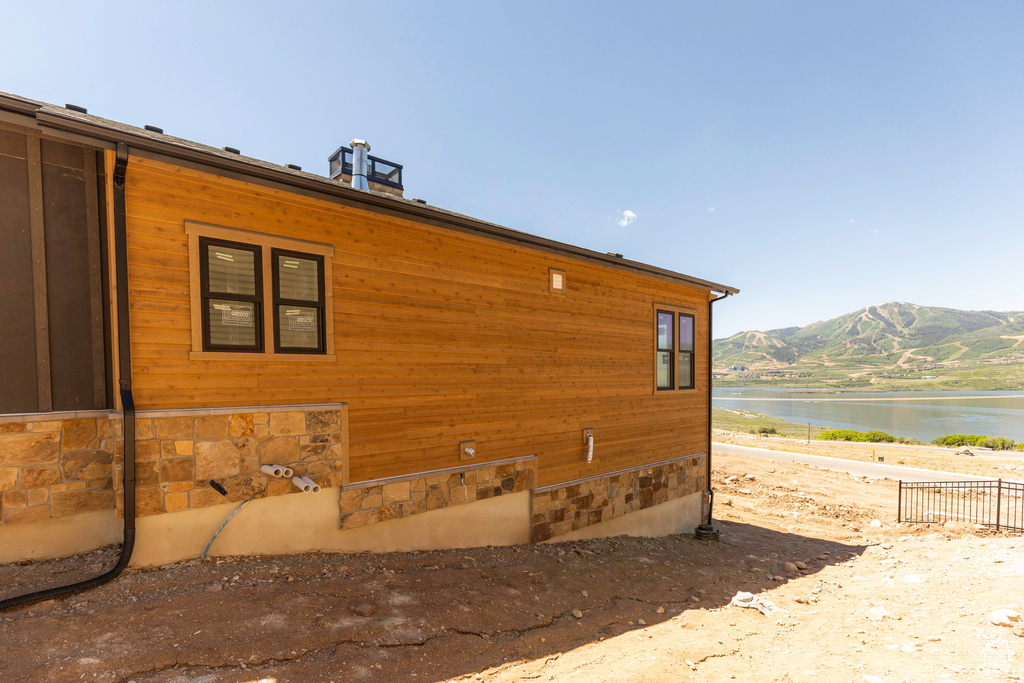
(127, 403)
(706, 530)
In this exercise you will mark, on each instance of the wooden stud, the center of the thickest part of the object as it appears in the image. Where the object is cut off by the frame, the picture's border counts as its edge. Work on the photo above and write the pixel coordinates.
(42, 327)
(95, 280)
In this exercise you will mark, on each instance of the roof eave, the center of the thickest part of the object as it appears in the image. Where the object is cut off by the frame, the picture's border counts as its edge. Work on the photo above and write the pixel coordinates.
(94, 127)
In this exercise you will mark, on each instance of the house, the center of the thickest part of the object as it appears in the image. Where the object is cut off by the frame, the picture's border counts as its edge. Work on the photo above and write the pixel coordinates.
(185, 329)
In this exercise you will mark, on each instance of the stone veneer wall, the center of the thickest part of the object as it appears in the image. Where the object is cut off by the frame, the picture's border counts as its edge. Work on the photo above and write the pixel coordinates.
(53, 465)
(562, 508)
(177, 453)
(364, 503)
(56, 464)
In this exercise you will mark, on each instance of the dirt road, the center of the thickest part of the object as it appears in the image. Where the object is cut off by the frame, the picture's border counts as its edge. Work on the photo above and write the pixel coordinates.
(889, 603)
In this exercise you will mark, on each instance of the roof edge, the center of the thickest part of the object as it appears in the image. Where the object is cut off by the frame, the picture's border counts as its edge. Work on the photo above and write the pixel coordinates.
(112, 131)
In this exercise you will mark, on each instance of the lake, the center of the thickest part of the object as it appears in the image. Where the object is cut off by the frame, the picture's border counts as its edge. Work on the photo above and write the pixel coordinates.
(923, 415)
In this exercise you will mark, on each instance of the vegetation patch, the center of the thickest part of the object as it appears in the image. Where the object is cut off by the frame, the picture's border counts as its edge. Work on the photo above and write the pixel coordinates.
(874, 436)
(996, 443)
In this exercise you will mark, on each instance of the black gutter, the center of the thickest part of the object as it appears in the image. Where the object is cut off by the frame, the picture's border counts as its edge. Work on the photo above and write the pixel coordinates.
(707, 530)
(127, 403)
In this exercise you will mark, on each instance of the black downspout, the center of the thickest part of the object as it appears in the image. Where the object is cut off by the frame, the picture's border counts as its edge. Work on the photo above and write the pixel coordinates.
(127, 403)
(706, 530)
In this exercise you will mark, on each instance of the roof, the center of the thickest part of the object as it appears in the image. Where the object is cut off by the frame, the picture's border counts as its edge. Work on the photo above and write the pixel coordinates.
(113, 132)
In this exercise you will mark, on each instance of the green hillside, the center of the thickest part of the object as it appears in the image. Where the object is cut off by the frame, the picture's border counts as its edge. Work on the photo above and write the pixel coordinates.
(892, 346)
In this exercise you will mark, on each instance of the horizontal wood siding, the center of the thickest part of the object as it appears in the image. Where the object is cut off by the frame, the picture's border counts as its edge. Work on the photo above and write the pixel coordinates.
(440, 336)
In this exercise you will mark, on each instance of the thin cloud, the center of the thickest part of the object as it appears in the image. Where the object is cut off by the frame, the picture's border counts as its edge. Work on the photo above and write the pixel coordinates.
(627, 218)
(711, 209)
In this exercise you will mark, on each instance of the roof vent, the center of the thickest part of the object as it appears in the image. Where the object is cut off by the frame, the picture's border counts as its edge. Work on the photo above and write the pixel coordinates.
(615, 254)
(153, 129)
(381, 175)
(294, 167)
(232, 150)
(75, 107)
(360, 148)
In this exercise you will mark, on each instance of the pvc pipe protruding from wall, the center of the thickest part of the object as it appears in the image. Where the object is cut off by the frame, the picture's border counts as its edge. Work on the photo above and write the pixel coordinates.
(303, 484)
(313, 486)
(277, 471)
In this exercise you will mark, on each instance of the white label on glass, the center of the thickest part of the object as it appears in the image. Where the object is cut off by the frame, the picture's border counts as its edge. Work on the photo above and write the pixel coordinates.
(302, 323)
(240, 316)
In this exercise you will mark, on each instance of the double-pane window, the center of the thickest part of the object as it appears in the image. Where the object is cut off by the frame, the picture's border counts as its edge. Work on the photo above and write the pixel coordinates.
(298, 302)
(674, 351)
(232, 295)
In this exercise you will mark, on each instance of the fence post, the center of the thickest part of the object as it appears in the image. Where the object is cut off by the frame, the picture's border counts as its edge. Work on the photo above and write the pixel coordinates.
(999, 501)
(899, 503)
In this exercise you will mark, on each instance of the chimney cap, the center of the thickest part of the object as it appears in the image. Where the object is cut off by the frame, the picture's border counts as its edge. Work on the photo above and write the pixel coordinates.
(356, 142)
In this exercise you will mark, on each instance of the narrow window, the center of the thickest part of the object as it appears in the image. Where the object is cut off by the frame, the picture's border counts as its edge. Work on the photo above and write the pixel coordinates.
(665, 351)
(685, 364)
(232, 296)
(299, 302)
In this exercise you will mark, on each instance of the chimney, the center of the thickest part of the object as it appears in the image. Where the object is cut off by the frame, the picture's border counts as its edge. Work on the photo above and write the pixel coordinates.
(354, 166)
(360, 164)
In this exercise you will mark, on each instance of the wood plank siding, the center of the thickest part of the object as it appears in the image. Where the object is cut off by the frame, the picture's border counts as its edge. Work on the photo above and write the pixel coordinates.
(440, 336)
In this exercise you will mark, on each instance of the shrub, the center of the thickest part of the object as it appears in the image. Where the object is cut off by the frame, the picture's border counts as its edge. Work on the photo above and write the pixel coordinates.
(996, 443)
(874, 436)
(767, 430)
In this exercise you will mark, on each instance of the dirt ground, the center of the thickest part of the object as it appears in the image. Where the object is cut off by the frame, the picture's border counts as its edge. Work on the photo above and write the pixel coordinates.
(994, 464)
(873, 603)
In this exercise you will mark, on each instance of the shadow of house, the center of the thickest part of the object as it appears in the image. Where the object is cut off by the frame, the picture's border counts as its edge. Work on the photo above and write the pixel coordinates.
(435, 614)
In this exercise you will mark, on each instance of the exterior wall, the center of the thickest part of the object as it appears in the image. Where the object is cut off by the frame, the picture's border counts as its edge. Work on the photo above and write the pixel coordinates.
(177, 453)
(56, 464)
(440, 336)
(367, 503)
(559, 510)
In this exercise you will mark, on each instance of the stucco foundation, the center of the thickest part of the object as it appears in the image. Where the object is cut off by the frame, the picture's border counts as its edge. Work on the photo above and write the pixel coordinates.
(59, 537)
(306, 523)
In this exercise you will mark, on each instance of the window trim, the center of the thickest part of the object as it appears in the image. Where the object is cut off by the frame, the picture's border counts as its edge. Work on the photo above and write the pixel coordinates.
(205, 294)
(278, 301)
(676, 311)
(195, 231)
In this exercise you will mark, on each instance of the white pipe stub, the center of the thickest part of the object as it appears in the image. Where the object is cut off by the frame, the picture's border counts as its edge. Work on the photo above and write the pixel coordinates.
(277, 471)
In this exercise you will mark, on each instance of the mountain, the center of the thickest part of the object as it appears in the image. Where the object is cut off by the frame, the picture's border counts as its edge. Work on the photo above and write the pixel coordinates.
(887, 345)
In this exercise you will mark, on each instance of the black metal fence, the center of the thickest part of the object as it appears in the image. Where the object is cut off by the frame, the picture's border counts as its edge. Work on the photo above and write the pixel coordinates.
(991, 502)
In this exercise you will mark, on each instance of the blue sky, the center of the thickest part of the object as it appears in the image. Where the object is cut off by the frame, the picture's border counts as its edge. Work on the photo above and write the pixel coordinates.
(819, 156)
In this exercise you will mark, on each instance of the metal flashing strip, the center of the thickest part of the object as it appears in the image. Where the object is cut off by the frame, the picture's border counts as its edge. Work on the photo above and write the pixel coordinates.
(433, 473)
(562, 485)
(234, 410)
(57, 416)
(249, 168)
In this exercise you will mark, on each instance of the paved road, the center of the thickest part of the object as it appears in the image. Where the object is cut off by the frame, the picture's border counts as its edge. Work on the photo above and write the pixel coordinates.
(869, 469)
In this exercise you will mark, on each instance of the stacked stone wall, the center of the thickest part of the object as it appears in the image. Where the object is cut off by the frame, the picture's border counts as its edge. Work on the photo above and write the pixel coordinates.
(371, 502)
(557, 510)
(178, 454)
(54, 465)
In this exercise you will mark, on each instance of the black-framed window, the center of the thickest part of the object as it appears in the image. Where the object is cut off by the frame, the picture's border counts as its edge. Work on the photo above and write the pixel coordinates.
(685, 355)
(665, 354)
(299, 302)
(674, 351)
(231, 283)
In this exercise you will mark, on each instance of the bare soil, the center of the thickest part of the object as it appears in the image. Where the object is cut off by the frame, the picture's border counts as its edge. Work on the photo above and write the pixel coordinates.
(888, 603)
